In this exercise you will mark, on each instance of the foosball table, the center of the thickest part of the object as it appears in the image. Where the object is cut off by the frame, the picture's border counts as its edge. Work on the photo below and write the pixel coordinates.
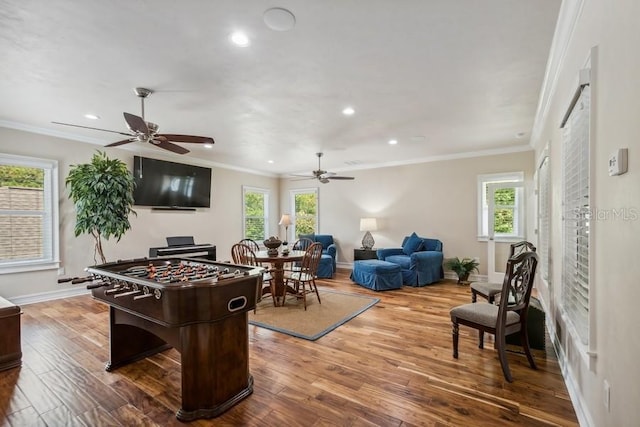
(199, 307)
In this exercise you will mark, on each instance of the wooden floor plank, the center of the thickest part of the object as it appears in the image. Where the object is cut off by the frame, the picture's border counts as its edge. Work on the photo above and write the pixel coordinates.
(390, 366)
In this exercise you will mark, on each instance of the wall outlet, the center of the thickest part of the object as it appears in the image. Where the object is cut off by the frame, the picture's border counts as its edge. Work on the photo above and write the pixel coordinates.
(606, 396)
(61, 271)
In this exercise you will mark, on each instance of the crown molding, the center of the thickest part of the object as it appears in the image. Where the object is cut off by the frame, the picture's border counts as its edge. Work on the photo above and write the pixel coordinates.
(570, 12)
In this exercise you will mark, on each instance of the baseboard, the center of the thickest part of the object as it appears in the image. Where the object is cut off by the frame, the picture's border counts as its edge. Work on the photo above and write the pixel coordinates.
(49, 296)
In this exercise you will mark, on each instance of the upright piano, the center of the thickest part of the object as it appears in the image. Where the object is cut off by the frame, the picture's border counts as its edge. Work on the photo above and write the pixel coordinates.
(184, 246)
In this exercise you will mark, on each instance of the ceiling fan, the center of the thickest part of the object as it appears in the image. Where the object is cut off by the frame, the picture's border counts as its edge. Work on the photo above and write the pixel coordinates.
(321, 175)
(144, 131)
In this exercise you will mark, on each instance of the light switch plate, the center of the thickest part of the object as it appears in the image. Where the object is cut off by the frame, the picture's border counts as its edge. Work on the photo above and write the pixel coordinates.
(618, 162)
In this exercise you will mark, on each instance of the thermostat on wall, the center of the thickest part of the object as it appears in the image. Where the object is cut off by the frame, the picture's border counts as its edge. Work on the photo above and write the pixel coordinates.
(618, 162)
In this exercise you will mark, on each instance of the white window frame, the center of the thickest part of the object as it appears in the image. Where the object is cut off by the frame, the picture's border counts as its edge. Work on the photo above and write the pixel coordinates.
(483, 208)
(292, 199)
(49, 214)
(266, 193)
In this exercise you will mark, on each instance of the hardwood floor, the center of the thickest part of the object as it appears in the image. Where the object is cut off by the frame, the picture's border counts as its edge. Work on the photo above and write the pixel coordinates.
(390, 366)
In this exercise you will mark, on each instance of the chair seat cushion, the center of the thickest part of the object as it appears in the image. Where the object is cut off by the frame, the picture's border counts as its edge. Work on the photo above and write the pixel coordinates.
(482, 313)
(487, 288)
(404, 261)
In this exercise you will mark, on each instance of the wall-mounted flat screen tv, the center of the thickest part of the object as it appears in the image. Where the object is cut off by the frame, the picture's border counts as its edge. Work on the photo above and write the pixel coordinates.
(170, 185)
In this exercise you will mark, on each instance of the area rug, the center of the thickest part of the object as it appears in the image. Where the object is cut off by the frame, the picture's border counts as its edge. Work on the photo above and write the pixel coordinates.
(319, 319)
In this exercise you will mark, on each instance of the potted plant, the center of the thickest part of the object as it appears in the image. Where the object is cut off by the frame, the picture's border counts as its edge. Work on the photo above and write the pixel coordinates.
(102, 192)
(462, 267)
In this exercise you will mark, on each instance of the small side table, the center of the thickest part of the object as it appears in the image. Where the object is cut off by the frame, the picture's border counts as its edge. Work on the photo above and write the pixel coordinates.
(362, 254)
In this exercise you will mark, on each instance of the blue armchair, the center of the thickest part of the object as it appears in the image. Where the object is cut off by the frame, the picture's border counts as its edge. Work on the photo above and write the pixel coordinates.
(420, 259)
(327, 266)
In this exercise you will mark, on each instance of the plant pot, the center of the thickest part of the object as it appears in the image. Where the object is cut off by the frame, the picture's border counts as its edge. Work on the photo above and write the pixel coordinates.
(463, 278)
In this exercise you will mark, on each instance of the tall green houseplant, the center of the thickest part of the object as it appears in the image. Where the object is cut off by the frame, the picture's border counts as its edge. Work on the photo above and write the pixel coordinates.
(102, 192)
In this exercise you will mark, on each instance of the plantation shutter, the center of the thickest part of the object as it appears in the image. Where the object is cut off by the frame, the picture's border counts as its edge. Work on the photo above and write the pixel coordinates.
(576, 214)
(544, 212)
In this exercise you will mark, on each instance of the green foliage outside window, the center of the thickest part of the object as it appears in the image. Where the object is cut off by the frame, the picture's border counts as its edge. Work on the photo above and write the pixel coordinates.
(306, 205)
(504, 201)
(20, 176)
(254, 216)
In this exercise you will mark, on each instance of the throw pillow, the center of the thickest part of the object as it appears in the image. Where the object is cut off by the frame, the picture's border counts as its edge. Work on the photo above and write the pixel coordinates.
(412, 244)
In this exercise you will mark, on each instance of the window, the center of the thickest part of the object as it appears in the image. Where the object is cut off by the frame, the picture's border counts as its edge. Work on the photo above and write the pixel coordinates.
(304, 205)
(255, 213)
(576, 214)
(544, 213)
(28, 214)
(505, 191)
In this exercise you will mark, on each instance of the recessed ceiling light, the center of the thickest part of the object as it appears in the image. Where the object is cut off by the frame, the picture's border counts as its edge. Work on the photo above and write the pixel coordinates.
(348, 111)
(208, 145)
(279, 19)
(393, 142)
(240, 39)
(91, 116)
(270, 161)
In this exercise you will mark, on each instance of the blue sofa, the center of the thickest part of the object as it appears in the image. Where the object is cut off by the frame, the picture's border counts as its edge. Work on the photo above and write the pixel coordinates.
(327, 266)
(420, 259)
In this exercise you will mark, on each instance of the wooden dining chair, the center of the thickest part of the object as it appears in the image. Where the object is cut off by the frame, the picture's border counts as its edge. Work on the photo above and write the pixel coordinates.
(306, 275)
(251, 243)
(489, 290)
(506, 318)
(300, 245)
(243, 254)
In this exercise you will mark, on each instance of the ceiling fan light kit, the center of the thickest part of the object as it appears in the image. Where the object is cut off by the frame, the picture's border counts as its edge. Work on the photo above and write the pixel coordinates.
(143, 131)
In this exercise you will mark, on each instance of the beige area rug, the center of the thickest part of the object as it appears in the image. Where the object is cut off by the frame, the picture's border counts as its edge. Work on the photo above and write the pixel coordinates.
(319, 319)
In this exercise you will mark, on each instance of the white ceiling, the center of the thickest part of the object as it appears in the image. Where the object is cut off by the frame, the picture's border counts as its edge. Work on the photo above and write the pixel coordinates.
(441, 77)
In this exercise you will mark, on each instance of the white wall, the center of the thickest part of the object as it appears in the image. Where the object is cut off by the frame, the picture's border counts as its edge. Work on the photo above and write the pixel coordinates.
(613, 27)
(434, 199)
(220, 225)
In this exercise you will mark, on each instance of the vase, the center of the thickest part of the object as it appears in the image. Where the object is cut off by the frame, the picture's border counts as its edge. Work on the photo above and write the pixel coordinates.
(272, 244)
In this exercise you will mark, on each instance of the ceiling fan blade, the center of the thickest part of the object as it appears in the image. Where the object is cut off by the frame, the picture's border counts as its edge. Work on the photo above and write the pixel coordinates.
(188, 138)
(136, 123)
(169, 146)
(92, 128)
(340, 177)
(124, 141)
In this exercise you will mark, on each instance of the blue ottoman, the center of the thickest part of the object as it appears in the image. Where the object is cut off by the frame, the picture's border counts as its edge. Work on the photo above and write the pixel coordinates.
(377, 275)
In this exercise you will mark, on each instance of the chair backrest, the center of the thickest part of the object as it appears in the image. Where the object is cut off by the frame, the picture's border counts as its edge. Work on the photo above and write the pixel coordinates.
(251, 243)
(243, 254)
(302, 244)
(518, 284)
(311, 259)
(520, 247)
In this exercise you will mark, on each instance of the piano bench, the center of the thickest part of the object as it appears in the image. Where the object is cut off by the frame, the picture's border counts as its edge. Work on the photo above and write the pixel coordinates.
(10, 341)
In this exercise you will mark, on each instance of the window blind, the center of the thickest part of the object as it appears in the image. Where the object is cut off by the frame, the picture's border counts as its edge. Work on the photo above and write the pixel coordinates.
(576, 215)
(544, 222)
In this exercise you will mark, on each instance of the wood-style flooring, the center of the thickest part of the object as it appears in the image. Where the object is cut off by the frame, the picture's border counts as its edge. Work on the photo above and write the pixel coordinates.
(390, 366)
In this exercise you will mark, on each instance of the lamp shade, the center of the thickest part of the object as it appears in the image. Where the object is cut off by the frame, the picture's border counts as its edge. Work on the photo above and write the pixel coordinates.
(368, 224)
(285, 220)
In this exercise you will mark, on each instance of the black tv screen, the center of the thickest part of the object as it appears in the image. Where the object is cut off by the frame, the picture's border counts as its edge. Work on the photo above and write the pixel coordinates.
(170, 185)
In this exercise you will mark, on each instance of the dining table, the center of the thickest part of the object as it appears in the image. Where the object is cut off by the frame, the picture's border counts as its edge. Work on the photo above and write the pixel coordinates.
(278, 262)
